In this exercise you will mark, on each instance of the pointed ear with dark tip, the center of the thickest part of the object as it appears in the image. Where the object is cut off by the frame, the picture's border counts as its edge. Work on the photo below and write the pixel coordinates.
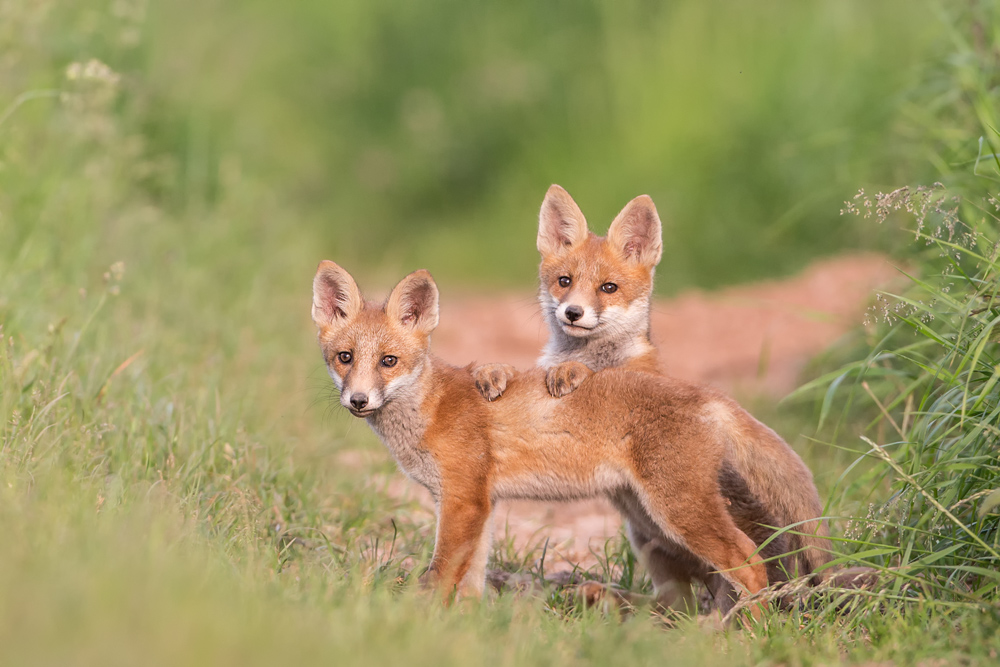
(336, 297)
(560, 222)
(414, 302)
(636, 232)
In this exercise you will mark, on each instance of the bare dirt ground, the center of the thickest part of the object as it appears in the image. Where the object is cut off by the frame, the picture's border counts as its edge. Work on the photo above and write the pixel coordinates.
(747, 340)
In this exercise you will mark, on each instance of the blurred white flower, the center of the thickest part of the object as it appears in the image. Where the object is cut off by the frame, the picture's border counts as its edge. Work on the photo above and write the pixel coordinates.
(92, 70)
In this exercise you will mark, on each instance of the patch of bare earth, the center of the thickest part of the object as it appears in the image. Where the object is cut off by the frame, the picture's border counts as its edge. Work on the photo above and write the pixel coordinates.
(747, 340)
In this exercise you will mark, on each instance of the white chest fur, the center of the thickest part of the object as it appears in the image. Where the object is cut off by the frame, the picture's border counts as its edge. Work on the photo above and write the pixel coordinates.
(400, 425)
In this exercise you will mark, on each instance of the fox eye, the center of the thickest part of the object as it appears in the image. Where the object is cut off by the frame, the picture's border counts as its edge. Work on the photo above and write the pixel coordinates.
(565, 281)
(345, 357)
(609, 288)
(389, 361)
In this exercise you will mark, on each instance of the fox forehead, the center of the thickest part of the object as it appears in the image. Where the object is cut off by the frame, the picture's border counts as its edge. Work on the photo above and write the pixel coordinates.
(370, 333)
(594, 262)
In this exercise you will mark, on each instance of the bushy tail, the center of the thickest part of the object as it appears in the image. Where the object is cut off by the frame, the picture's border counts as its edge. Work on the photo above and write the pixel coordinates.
(782, 482)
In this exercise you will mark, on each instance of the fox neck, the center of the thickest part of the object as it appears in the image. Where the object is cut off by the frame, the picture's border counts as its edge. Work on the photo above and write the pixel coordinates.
(401, 423)
(607, 349)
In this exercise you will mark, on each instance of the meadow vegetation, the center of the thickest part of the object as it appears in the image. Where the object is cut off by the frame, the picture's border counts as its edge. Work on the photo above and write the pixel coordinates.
(172, 475)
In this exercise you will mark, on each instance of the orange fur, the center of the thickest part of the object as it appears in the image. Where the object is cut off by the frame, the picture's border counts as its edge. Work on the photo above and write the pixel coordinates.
(767, 481)
(655, 446)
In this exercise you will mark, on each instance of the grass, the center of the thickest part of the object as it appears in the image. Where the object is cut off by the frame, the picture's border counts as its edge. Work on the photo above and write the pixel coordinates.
(926, 379)
(929, 382)
(173, 482)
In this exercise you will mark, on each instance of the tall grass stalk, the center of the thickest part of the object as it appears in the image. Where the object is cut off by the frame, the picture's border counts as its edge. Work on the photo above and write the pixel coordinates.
(929, 382)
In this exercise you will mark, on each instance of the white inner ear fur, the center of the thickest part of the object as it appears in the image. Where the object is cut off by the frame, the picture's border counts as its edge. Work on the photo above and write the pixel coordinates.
(335, 295)
(636, 232)
(560, 222)
(414, 302)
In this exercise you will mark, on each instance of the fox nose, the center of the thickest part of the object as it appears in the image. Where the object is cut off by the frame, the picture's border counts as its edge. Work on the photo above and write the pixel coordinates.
(359, 401)
(573, 313)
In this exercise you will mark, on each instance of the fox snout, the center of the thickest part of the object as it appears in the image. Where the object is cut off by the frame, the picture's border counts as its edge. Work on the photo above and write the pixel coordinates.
(358, 400)
(355, 395)
(361, 400)
(573, 313)
(577, 319)
(359, 404)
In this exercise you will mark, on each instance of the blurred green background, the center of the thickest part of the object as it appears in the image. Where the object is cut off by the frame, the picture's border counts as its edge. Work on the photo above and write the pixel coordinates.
(404, 135)
(425, 134)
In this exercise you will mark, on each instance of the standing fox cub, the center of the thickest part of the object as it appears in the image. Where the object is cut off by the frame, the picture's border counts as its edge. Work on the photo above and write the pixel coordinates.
(595, 297)
(668, 454)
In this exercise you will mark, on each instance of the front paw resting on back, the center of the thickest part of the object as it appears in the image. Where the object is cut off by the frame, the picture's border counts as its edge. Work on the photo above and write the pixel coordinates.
(491, 379)
(566, 377)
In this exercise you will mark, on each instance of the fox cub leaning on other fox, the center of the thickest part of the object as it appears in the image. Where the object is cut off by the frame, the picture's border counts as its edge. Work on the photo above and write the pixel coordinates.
(667, 453)
(595, 297)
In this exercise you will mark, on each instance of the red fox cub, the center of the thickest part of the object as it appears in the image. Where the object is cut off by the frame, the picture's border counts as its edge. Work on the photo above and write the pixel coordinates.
(667, 453)
(595, 297)
(594, 292)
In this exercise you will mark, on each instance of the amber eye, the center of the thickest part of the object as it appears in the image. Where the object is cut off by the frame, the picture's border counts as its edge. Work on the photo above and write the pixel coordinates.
(389, 361)
(609, 288)
(565, 281)
(345, 357)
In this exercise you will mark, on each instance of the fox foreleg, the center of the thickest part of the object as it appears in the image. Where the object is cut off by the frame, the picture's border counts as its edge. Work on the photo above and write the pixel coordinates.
(566, 377)
(461, 548)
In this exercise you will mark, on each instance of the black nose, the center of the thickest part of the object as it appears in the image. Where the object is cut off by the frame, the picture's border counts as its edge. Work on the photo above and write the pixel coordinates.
(573, 313)
(359, 401)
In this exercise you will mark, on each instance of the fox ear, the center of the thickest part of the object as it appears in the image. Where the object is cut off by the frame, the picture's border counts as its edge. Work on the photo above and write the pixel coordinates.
(414, 302)
(560, 222)
(636, 232)
(336, 297)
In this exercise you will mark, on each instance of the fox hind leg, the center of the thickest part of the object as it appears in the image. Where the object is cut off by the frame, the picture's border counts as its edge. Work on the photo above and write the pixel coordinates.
(670, 566)
(711, 535)
(671, 575)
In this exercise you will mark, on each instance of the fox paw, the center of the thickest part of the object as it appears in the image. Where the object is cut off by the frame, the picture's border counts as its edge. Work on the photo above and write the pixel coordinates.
(604, 596)
(566, 377)
(491, 379)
